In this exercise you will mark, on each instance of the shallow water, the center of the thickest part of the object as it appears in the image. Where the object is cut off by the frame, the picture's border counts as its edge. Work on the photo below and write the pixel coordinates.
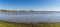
(28, 18)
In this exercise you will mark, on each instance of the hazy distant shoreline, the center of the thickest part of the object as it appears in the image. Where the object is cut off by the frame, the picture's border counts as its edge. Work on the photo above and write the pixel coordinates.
(25, 11)
(32, 12)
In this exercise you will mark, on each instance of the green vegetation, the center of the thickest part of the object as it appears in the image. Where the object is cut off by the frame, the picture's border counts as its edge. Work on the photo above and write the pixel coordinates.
(7, 24)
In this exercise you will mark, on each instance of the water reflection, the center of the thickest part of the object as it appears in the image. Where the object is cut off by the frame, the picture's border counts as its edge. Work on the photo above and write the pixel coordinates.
(28, 18)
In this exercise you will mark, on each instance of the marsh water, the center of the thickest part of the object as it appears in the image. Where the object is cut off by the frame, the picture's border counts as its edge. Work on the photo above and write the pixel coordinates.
(29, 17)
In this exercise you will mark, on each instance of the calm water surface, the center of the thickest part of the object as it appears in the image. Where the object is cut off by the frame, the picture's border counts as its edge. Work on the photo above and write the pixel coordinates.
(28, 18)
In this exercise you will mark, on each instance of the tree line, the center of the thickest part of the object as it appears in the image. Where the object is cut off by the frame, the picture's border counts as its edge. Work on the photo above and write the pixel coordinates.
(16, 11)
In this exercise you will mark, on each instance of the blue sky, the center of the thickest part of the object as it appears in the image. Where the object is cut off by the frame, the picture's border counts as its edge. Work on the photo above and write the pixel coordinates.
(42, 5)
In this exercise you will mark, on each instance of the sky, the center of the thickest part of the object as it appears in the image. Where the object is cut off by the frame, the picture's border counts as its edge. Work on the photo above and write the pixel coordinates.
(39, 5)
